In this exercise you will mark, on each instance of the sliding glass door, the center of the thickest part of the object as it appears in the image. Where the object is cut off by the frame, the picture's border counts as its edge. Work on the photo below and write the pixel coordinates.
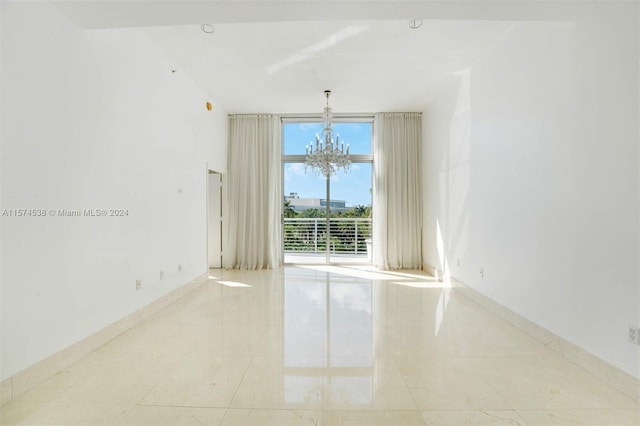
(309, 236)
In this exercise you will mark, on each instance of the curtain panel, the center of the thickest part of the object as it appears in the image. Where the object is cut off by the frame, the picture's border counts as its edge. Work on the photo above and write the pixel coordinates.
(254, 193)
(397, 191)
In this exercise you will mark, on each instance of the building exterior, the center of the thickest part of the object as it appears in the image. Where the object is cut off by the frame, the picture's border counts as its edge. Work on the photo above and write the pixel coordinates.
(302, 204)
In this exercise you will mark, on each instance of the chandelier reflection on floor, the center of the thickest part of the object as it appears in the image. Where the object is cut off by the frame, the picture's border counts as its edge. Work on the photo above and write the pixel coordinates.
(327, 155)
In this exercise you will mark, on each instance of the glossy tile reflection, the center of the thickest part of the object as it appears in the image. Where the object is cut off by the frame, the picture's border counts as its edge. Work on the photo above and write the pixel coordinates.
(323, 345)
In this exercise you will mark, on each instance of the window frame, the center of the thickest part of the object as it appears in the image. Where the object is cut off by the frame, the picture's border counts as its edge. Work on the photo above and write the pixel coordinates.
(341, 118)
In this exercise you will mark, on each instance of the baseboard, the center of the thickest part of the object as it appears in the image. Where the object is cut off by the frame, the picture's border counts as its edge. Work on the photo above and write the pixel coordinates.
(34, 375)
(432, 270)
(604, 371)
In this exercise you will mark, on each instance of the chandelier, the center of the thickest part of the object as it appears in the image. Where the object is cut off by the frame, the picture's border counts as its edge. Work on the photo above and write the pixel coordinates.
(327, 155)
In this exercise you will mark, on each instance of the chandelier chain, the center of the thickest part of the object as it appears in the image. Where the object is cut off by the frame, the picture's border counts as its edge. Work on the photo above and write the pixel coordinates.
(327, 155)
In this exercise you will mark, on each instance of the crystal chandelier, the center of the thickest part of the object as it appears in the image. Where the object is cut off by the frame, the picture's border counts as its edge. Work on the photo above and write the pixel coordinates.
(327, 155)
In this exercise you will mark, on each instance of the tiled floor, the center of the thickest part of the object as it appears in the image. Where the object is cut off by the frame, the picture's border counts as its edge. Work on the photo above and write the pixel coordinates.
(323, 345)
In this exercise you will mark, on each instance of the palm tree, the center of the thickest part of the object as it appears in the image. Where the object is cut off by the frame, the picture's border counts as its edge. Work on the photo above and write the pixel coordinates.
(360, 210)
(288, 209)
(313, 213)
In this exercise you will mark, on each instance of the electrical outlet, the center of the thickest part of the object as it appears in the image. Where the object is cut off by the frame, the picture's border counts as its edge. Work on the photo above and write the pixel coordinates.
(179, 268)
(481, 272)
(161, 275)
(138, 284)
(459, 263)
(634, 335)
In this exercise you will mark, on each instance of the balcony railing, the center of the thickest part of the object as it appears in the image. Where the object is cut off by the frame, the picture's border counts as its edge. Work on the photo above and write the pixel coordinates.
(308, 235)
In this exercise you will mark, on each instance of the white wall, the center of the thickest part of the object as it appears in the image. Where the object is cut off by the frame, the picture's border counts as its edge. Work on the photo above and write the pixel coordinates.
(532, 173)
(95, 120)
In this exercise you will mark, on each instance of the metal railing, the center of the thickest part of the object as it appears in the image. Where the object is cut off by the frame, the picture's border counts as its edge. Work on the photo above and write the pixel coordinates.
(347, 235)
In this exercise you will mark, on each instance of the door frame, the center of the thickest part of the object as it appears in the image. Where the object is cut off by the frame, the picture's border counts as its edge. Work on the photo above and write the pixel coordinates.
(222, 173)
(298, 158)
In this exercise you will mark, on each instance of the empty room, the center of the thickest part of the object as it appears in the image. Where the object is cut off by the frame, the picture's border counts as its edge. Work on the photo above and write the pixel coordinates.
(316, 212)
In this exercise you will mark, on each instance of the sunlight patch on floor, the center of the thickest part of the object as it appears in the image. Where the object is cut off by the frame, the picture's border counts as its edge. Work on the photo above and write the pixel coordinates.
(233, 284)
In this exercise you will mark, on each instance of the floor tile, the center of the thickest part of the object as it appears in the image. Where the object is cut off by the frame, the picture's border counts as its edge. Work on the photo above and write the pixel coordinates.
(579, 417)
(198, 380)
(147, 338)
(629, 417)
(525, 382)
(593, 392)
(251, 417)
(69, 413)
(373, 418)
(379, 386)
(269, 384)
(14, 412)
(474, 417)
(171, 416)
(547, 383)
(44, 392)
(116, 379)
(452, 384)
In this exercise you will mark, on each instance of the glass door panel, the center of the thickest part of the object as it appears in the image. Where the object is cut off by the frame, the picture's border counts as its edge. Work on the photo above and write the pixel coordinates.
(350, 225)
(304, 227)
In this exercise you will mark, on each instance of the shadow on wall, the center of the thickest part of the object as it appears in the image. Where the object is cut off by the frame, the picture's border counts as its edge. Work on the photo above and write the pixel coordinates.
(454, 182)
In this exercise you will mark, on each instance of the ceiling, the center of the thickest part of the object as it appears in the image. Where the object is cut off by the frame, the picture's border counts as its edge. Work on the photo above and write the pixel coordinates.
(279, 56)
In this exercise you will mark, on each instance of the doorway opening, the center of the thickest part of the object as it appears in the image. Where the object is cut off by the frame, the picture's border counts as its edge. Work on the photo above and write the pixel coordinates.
(309, 236)
(214, 219)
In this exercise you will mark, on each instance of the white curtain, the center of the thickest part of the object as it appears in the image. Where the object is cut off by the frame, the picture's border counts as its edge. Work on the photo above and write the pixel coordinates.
(254, 193)
(397, 191)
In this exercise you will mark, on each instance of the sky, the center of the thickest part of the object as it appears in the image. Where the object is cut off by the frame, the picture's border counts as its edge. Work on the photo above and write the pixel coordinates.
(353, 187)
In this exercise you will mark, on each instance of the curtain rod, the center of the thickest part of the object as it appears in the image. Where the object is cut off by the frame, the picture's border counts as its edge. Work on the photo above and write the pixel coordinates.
(319, 115)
